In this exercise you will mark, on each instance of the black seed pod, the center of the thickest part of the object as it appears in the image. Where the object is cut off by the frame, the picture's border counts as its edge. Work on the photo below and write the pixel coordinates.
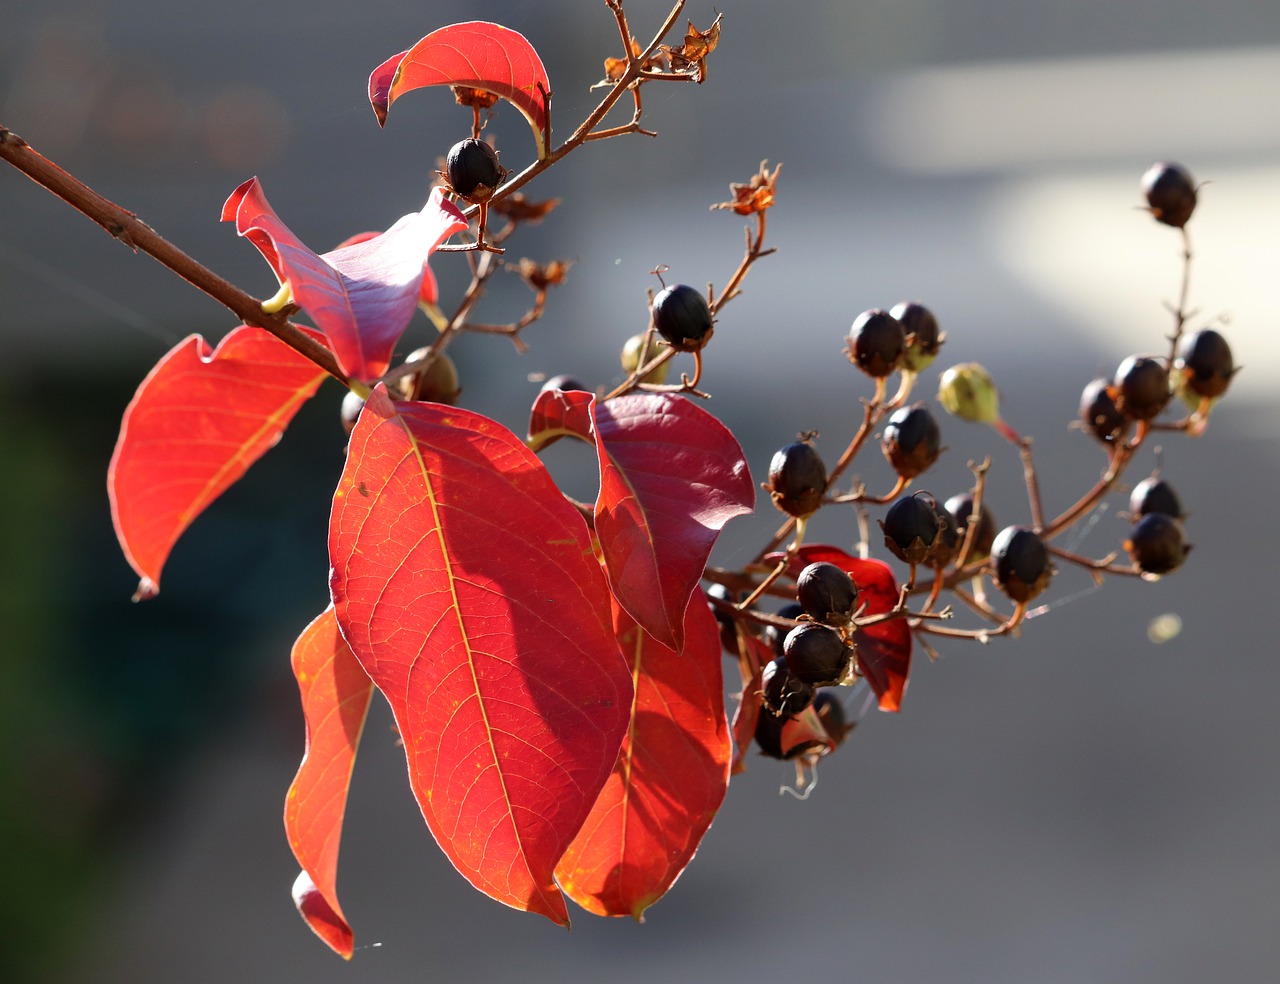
(826, 593)
(1204, 363)
(775, 634)
(564, 383)
(1156, 544)
(784, 694)
(910, 440)
(832, 716)
(923, 338)
(728, 628)
(961, 508)
(797, 479)
(816, 654)
(1099, 413)
(1154, 495)
(1022, 567)
(682, 316)
(947, 544)
(876, 343)
(1170, 192)
(770, 740)
(910, 527)
(1141, 387)
(473, 170)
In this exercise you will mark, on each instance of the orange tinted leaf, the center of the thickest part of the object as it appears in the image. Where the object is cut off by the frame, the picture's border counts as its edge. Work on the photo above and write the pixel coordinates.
(671, 477)
(335, 700)
(467, 587)
(670, 778)
(195, 425)
(476, 54)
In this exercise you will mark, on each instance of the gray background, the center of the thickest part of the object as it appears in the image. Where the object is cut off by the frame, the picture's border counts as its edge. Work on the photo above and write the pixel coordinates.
(1078, 805)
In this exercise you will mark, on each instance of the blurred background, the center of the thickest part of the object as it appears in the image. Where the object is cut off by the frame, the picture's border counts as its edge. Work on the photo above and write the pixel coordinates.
(1081, 804)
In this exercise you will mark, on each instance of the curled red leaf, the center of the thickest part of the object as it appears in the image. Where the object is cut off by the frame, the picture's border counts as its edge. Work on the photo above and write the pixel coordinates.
(475, 54)
(360, 295)
(195, 425)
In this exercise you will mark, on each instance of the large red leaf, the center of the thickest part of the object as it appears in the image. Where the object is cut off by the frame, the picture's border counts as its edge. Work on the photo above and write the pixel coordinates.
(467, 587)
(671, 476)
(670, 778)
(884, 650)
(195, 425)
(335, 700)
(360, 295)
(478, 55)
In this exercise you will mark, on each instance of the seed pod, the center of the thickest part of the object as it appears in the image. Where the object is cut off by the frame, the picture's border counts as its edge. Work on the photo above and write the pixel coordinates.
(682, 316)
(782, 693)
(947, 543)
(1156, 544)
(1141, 387)
(774, 634)
(1154, 495)
(436, 380)
(352, 404)
(1099, 414)
(797, 479)
(826, 593)
(816, 654)
(630, 358)
(910, 527)
(1204, 365)
(961, 508)
(1170, 192)
(1022, 567)
(832, 716)
(563, 383)
(923, 338)
(876, 343)
(968, 391)
(728, 627)
(910, 440)
(473, 171)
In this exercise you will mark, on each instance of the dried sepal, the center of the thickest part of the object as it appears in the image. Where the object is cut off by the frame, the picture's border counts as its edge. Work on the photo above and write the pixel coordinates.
(517, 208)
(754, 196)
(691, 57)
(541, 276)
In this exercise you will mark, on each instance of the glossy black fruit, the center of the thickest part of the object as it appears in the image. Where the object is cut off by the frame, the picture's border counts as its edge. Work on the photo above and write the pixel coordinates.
(1156, 544)
(682, 316)
(826, 593)
(797, 479)
(832, 716)
(1170, 192)
(564, 383)
(911, 527)
(473, 170)
(1141, 387)
(1099, 414)
(1022, 567)
(876, 343)
(1204, 364)
(911, 440)
(1154, 495)
(816, 654)
(923, 338)
(774, 634)
(949, 539)
(782, 693)
(961, 508)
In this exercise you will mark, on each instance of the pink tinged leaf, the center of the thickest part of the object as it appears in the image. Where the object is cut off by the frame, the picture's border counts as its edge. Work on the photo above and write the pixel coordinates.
(430, 292)
(671, 477)
(670, 778)
(195, 425)
(476, 54)
(884, 650)
(361, 296)
(335, 701)
(467, 587)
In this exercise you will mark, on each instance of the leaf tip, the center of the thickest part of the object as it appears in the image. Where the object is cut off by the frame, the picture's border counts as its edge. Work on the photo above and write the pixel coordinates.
(324, 921)
(147, 589)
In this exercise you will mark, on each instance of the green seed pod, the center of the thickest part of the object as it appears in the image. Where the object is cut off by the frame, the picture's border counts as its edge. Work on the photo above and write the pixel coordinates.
(968, 391)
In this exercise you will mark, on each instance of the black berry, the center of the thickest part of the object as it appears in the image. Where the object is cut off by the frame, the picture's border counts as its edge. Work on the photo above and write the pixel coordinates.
(961, 508)
(1022, 568)
(923, 338)
(876, 343)
(1154, 495)
(910, 527)
(1204, 364)
(797, 479)
(1170, 193)
(775, 634)
(1099, 414)
(682, 316)
(473, 170)
(832, 716)
(728, 627)
(816, 654)
(1156, 544)
(563, 383)
(911, 440)
(1141, 387)
(784, 694)
(826, 592)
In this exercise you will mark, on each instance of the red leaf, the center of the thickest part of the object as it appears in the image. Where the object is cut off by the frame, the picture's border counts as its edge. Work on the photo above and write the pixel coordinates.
(430, 291)
(670, 778)
(335, 700)
(671, 476)
(467, 587)
(884, 650)
(362, 295)
(196, 424)
(476, 54)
